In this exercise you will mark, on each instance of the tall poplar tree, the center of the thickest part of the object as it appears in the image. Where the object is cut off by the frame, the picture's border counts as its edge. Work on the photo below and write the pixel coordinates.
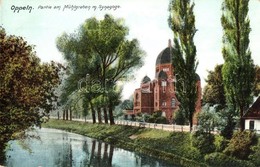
(238, 69)
(182, 23)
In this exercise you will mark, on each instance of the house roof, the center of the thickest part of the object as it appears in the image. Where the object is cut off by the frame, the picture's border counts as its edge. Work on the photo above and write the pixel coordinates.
(254, 111)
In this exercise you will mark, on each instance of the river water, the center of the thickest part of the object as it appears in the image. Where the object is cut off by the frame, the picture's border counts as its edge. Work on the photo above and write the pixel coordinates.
(57, 148)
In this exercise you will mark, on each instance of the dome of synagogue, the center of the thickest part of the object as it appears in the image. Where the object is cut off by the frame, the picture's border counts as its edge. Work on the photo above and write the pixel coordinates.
(146, 79)
(162, 75)
(197, 77)
(165, 56)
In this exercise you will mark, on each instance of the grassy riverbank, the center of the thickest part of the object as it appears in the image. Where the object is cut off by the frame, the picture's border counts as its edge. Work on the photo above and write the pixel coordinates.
(174, 147)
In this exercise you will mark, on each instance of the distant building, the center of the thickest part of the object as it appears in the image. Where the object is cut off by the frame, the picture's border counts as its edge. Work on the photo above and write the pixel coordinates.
(159, 93)
(252, 117)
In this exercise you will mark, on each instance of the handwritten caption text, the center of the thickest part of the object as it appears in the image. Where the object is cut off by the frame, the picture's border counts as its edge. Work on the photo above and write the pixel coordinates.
(30, 9)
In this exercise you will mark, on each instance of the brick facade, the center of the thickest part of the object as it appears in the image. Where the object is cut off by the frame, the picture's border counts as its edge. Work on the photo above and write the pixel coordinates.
(159, 94)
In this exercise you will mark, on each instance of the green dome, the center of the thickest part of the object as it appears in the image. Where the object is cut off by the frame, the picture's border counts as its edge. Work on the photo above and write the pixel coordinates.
(146, 79)
(164, 57)
(197, 77)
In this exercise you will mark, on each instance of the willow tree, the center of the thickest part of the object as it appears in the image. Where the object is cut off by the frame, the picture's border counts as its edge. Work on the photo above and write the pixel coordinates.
(103, 45)
(182, 23)
(238, 69)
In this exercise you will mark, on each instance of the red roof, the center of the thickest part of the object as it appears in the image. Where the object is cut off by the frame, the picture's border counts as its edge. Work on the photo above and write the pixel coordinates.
(254, 111)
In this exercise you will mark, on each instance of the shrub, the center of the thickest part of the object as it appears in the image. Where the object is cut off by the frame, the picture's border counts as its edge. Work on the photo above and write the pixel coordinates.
(157, 113)
(156, 117)
(150, 119)
(175, 143)
(240, 143)
(203, 142)
(161, 120)
(254, 157)
(220, 159)
(228, 123)
(208, 120)
(179, 117)
(220, 143)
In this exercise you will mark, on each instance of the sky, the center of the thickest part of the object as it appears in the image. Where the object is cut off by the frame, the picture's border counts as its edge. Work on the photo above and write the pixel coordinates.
(40, 22)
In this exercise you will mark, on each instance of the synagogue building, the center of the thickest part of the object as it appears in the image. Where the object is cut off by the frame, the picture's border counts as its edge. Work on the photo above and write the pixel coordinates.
(159, 93)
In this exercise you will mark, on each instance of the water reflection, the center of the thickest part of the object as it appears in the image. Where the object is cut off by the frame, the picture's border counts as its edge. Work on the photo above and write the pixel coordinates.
(62, 149)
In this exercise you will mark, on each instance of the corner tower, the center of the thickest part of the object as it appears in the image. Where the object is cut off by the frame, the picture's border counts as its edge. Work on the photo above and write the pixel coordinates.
(164, 93)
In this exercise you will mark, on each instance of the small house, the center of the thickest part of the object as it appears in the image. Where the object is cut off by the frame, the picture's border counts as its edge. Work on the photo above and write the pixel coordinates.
(252, 117)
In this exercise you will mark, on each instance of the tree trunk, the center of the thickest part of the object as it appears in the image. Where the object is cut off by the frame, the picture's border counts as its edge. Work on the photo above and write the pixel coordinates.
(111, 116)
(105, 115)
(99, 115)
(58, 114)
(70, 114)
(93, 113)
(63, 115)
(191, 121)
(242, 123)
(85, 114)
(67, 114)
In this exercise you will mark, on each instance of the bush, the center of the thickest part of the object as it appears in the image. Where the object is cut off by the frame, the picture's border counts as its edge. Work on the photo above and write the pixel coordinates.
(254, 157)
(157, 113)
(208, 120)
(175, 143)
(150, 119)
(179, 117)
(220, 143)
(161, 120)
(240, 144)
(220, 159)
(203, 142)
(156, 117)
(228, 123)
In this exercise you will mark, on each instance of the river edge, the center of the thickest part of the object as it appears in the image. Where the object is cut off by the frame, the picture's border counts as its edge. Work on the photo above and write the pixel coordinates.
(156, 143)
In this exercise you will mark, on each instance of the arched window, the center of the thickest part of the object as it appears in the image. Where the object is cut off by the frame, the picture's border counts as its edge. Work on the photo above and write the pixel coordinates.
(173, 102)
(137, 96)
(164, 103)
(164, 84)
